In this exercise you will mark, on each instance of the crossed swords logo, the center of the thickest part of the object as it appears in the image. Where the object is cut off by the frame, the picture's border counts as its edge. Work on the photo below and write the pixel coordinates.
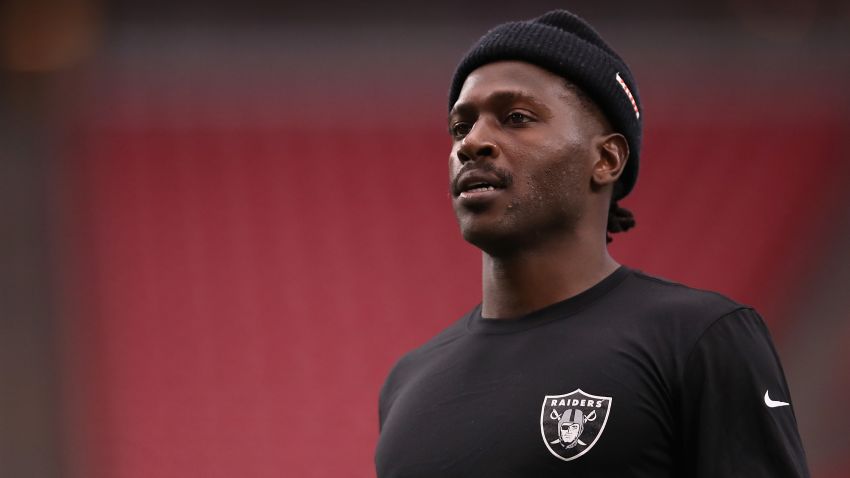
(556, 416)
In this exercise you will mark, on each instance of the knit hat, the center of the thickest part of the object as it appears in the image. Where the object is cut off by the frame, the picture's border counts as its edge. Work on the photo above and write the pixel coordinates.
(566, 45)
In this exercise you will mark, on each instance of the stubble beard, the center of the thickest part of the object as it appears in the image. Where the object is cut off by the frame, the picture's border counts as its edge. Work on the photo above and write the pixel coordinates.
(547, 207)
(525, 224)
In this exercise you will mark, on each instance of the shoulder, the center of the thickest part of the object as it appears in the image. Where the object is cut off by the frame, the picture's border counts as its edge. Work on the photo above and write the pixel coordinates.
(410, 364)
(445, 338)
(668, 299)
(671, 317)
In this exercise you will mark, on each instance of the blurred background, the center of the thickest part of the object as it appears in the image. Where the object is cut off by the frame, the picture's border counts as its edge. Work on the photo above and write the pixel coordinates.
(222, 223)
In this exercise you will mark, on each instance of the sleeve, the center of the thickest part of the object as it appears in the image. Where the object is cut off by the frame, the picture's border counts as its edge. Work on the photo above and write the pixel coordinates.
(384, 401)
(386, 397)
(738, 417)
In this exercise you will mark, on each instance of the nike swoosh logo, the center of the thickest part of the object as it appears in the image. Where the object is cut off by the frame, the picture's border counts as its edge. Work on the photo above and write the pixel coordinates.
(773, 403)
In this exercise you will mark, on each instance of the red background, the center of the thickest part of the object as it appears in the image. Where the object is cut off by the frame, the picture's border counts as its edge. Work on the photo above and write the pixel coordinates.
(244, 291)
(222, 223)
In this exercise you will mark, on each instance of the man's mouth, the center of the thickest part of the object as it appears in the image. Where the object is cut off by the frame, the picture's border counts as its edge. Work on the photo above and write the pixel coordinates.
(479, 184)
(478, 188)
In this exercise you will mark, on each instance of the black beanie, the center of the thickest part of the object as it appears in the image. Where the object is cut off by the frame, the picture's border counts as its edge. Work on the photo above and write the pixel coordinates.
(568, 46)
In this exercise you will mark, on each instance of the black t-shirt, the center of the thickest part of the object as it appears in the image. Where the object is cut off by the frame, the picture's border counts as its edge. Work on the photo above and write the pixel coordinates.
(634, 377)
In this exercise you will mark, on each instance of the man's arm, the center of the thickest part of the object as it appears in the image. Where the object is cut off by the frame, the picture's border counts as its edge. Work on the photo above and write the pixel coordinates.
(737, 414)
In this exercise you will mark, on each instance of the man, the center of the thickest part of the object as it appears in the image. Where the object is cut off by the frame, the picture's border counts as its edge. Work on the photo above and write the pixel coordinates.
(661, 380)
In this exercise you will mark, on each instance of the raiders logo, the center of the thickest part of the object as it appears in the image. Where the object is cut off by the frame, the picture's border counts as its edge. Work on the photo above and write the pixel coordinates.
(572, 423)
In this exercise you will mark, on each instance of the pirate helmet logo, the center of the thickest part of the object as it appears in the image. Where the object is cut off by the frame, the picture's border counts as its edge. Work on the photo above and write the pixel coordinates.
(572, 423)
(570, 426)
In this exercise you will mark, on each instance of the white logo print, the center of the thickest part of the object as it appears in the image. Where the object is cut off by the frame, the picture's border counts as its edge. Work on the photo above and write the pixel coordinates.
(573, 422)
(773, 403)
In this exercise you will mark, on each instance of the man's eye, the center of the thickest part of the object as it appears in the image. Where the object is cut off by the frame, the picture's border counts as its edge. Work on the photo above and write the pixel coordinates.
(518, 118)
(460, 129)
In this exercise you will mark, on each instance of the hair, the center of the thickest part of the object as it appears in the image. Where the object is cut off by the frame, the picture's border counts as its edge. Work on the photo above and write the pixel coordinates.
(620, 219)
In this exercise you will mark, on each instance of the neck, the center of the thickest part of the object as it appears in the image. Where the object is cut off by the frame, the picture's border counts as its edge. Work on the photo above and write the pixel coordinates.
(528, 280)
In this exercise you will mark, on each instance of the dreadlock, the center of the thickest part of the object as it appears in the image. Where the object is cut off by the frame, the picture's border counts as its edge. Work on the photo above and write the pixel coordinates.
(620, 219)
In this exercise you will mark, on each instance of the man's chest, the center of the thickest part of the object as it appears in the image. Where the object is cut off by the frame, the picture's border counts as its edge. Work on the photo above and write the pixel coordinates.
(513, 407)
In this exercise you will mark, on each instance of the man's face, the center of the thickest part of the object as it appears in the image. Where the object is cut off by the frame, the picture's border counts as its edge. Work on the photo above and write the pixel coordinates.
(524, 138)
(569, 432)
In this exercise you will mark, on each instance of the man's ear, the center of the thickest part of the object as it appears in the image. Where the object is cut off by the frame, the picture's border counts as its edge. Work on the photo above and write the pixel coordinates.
(613, 152)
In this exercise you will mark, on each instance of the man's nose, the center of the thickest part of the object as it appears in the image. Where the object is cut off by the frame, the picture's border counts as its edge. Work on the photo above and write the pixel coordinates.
(479, 143)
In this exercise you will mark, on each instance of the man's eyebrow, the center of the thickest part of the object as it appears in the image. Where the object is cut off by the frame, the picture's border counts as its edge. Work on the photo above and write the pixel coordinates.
(500, 98)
